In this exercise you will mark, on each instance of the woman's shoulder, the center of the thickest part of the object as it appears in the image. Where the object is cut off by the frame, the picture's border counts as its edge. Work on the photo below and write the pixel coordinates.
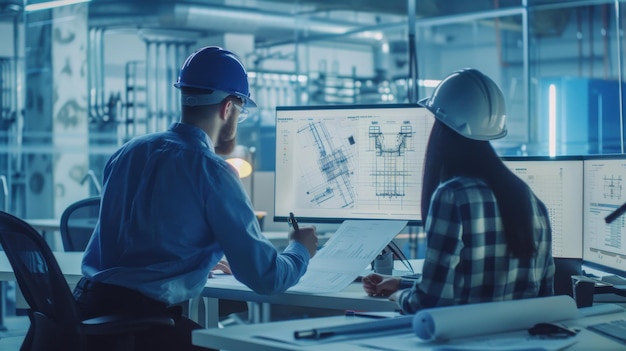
(464, 190)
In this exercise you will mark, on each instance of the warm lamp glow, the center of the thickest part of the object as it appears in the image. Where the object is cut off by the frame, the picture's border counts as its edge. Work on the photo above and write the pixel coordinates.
(241, 159)
(243, 167)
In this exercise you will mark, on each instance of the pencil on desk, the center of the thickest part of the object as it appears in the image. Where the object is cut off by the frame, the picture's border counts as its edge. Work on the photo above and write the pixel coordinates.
(394, 325)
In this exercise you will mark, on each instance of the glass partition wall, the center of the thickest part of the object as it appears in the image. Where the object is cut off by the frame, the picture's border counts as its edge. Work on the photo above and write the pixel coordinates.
(559, 64)
(82, 79)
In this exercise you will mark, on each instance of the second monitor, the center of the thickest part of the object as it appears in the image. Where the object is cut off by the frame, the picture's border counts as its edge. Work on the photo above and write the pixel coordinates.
(604, 245)
(558, 183)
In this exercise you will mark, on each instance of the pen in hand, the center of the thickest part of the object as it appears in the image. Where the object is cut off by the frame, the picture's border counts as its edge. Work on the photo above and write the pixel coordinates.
(293, 221)
(307, 236)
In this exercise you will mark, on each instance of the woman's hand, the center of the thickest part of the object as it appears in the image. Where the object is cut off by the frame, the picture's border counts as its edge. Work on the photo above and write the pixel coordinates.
(380, 285)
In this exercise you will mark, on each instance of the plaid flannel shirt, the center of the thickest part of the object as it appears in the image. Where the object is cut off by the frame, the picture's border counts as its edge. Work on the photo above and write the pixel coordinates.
(466, 256)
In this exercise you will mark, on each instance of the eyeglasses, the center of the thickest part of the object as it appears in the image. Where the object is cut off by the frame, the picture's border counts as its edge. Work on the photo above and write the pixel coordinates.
(243, 113)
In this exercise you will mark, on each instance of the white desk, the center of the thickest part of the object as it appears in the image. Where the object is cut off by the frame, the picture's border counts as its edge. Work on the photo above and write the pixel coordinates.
(245, 337)
(44, 224)
(49, 229)
(69, 262)
(351, 298)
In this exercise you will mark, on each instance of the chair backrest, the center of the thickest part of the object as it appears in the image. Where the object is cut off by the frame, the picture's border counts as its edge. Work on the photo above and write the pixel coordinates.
(37, 271)
(77, 223)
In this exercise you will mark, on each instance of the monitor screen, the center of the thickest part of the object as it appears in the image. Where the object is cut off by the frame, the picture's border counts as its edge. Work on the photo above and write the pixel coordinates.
(558, 183)
(350, 162)
(604, 245)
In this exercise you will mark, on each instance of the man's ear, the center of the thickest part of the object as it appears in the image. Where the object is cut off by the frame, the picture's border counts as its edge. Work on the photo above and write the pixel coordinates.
(225, 108)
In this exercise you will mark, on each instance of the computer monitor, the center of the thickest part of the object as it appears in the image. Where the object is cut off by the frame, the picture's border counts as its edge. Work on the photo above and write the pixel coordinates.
(335, 163)
(558, 183)
(604, 245)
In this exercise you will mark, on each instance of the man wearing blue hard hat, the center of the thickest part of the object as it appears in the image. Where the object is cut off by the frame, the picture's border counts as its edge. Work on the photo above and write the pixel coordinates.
(172, 208)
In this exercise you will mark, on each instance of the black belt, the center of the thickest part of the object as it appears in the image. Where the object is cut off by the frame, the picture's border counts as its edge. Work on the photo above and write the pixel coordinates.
(88, 284)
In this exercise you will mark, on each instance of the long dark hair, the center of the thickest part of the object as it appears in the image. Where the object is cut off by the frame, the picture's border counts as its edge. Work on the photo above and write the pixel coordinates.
(449, 154)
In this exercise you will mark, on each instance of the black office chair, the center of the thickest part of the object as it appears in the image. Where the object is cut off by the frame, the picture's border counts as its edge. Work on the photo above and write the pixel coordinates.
(77, 223)
(55, 322)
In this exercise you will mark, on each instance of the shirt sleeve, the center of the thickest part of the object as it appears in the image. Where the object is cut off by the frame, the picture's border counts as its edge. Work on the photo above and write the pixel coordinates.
(443, 234)
(253, 259)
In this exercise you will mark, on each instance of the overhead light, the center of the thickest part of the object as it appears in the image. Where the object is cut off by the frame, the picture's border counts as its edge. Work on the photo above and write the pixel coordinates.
(552, 106)
(51, 4)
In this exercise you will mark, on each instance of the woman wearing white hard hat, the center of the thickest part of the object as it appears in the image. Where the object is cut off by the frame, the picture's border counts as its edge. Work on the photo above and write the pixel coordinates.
(488, 236)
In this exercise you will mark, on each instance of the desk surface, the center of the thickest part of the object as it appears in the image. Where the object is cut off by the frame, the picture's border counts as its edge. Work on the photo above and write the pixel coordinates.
(247, 337)
(70, 263)
(351, 298)
(44, 224)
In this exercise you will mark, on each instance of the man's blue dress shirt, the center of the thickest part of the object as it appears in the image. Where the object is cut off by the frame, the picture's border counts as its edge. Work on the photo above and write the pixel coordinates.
(171, 208)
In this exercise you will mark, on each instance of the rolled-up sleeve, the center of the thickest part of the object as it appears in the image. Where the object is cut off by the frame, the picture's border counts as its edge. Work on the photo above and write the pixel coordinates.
(253, 259)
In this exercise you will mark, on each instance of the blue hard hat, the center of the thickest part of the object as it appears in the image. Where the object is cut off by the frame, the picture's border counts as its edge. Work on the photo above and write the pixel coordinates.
(213, 68)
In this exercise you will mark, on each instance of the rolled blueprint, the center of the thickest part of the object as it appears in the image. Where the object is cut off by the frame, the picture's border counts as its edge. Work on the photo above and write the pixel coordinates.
(491, 317)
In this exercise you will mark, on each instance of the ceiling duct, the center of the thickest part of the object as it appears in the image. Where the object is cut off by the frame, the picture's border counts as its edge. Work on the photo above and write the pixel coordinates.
(210, 18)
(253, 21)
(10, 7)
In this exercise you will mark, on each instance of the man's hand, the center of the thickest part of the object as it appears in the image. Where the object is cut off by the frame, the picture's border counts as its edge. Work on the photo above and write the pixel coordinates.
(306, 236)
(223, 266)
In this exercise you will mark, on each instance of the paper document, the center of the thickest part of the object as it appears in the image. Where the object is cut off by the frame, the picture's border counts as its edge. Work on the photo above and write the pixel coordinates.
(354, 245)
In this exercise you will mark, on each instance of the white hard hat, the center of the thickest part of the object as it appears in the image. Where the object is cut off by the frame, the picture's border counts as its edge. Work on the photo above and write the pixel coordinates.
(470, 103)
